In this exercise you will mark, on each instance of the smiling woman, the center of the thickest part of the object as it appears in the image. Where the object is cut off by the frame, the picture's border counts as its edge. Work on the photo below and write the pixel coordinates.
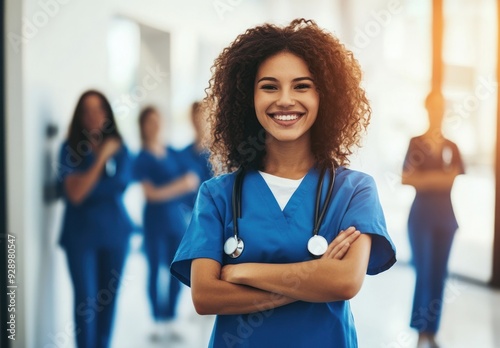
(343, 113)
(297, 90)
(285, 97)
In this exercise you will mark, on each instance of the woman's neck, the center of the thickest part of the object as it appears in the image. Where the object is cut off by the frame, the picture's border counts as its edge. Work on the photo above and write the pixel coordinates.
(155, 147)
(435, 134)
(288, 160)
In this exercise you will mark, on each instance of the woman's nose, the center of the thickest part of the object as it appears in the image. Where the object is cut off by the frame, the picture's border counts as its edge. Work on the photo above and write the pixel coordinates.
(285, 99)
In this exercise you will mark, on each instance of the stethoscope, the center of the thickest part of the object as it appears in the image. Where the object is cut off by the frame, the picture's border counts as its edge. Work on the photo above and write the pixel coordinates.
(317, 245)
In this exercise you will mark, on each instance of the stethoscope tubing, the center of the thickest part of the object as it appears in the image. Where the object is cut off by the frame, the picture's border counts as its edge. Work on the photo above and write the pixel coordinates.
(234, 245)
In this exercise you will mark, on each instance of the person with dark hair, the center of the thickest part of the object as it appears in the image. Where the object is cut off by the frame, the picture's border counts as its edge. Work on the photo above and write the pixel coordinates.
(165, 181)
(282, 238)
(431, 165)
(94, 169)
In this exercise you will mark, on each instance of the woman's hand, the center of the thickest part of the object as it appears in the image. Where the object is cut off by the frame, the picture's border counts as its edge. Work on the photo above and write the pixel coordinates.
(109, 147)
(211, 295)
(79, 185)
(191, 181)
(336, 250)
(340, 245)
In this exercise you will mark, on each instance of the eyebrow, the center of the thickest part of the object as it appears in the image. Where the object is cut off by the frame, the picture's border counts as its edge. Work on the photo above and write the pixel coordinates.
(266, 78)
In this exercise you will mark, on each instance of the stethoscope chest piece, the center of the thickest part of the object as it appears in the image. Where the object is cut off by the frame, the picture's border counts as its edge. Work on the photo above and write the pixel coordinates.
(317, 245)
(233, 247)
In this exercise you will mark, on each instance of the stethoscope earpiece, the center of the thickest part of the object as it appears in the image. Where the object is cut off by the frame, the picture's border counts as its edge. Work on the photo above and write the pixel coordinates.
(317, 245)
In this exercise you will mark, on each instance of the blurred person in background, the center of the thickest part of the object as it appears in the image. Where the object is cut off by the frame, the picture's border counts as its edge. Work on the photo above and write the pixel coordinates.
(431, 165)
(165, 182)
(196, 155)
(94, 169)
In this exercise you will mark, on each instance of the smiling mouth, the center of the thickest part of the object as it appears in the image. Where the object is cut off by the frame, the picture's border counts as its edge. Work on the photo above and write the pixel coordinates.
(286, 117)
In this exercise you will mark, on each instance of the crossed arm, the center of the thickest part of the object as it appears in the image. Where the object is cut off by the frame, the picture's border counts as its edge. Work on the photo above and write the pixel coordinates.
(251, 287)
(430, 180)
(187, 183)
(79, 185)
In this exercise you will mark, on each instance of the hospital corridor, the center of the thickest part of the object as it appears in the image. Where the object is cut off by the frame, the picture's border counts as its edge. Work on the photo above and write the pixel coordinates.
(307, 173)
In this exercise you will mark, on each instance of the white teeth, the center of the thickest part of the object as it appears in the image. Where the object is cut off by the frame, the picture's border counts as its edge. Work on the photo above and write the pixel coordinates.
(286, 117)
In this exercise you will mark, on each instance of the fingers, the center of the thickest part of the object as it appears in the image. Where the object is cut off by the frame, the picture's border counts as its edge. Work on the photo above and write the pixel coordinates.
(113, 142)
(109, 147)
(340, 245)
(341, 253)
(341, 237)
(192, 180)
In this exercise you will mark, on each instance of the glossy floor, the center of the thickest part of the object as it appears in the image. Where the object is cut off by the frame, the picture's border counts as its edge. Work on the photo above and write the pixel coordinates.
(471, 316)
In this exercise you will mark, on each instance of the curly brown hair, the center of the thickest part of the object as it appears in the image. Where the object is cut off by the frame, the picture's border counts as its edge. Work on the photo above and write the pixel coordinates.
(238, 139)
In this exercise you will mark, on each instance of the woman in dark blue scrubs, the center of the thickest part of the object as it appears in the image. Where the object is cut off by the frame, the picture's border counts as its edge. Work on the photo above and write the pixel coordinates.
(94, 170)
(165, 182)
(196, 155)
(432, 162)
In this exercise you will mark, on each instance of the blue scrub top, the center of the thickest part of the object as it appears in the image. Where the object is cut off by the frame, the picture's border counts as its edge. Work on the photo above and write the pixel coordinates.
(169, 216)
(101, 220)
(433, 208)
(275, 236)
(197, 162)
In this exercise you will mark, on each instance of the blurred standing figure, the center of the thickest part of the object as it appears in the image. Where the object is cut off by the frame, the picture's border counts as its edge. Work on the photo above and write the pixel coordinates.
(95, 168)
(431, 165)
(196, 155)
(165, 182)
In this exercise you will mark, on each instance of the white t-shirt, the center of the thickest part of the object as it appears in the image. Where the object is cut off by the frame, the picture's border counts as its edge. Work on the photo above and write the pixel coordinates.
(282, 188)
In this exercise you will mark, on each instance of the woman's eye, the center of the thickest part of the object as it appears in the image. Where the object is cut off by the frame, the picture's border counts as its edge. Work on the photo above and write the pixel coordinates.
(268, 87)
(303, 86)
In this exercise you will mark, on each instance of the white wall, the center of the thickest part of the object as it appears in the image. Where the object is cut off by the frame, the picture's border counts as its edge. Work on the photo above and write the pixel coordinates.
(16, 163)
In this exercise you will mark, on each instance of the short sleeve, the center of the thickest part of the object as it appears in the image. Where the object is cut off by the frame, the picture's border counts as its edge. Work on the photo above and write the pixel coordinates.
(366, 214)
(203, 238)
(69, 162)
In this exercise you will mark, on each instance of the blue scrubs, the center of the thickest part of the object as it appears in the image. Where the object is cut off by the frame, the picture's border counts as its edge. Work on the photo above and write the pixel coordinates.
(197, 162)
(164, 224)
(275, 236)
(95, 235)
(431, 228)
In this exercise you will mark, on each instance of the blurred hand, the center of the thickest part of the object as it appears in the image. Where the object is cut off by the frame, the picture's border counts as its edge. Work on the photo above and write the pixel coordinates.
(338, 248)
(109, 147)
(192, 181)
